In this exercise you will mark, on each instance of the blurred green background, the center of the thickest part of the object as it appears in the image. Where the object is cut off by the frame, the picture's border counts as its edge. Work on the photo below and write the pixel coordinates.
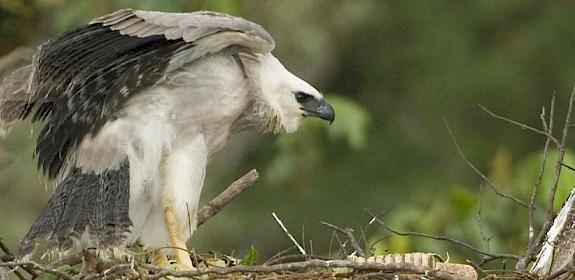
(393, 70)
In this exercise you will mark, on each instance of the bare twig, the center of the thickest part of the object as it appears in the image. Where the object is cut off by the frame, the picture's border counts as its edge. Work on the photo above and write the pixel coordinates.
(5, 271)
(342, 251)
(296, 257)
(444, 238)
(7, 251)
(119, 268)
(378, 275)
(348, 232)
(272, 259)
(37, 267)
(522, 125)
(480, 221)
(296, 266)
(299, 247)
(562, 149)
(526, 259)
(216, 204)
(537, 244)
(489, 182)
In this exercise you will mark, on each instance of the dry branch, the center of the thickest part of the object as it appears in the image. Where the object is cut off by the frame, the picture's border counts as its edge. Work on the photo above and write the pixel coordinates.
(444, 238)
(37, 267)
(394, 268)
(304, 265)
(559, 247)
(290, 236)
(483, 176)
(348, 232)
(10, 256)
(538, 243)
(522, 125)
(215, 205)
(526, 259)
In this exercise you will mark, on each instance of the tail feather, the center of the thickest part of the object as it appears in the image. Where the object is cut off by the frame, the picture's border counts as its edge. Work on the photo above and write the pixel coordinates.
(96, 204)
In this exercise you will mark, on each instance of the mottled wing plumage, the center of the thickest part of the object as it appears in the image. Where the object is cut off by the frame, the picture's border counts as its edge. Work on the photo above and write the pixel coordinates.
(80, 94)
(81, 79)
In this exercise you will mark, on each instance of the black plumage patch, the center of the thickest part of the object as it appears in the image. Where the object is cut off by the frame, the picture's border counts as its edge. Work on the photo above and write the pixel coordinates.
(83, 78)
(97, 203)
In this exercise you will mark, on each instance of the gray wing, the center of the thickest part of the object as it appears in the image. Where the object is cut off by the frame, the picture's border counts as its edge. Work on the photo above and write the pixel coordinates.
(81, 79)
(211, 32)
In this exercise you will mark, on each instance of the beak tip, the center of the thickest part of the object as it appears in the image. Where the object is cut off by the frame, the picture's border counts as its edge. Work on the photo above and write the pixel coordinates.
(323, 110)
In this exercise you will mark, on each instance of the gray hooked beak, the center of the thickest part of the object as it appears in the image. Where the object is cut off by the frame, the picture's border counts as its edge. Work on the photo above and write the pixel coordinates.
(320, 109)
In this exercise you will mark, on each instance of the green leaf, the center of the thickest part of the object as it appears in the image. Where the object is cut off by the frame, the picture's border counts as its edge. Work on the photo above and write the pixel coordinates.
(528, 171)
(251, 257)
(351, 123)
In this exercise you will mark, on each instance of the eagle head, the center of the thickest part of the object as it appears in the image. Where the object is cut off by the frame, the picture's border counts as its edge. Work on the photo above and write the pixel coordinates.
(289, 98)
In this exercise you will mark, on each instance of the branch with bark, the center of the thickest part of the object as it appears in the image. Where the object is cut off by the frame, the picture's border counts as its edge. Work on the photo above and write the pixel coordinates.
(153, 272)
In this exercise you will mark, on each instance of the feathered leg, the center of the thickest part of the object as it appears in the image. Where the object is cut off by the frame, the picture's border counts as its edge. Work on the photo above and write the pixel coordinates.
(183, 172)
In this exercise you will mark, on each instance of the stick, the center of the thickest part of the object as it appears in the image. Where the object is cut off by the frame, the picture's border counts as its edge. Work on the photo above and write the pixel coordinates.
(37, 267)
(7, 252)
(216, 204)
(489, 183)
(444, 238)
(295, 266)
(538, 243)
(299, 247)
(522, 125)
(525, 260)
(349, 234)
(558, 166)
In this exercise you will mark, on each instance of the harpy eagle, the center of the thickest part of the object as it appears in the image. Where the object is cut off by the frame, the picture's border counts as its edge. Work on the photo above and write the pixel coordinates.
(135, 104)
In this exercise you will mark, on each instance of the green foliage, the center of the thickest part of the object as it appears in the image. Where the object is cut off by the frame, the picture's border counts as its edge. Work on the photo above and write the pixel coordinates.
(528, 171)
(398, 67)
(251, 257)
(296, 153)
(352, 122)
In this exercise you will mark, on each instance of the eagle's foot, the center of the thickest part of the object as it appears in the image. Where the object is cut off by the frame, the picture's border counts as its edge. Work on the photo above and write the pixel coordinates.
(160, 259)
(183, 260)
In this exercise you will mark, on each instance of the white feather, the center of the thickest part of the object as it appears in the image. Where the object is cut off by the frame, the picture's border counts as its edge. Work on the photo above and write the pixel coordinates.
(178, 125)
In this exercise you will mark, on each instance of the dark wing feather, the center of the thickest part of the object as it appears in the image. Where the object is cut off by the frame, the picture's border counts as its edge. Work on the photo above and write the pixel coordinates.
(81, 79)
(88, 90)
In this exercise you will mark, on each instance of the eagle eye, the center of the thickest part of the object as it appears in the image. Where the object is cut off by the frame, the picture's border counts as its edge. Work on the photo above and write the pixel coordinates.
(302, 97)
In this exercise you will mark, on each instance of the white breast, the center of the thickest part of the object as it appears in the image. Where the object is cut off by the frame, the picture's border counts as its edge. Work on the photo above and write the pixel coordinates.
(203, 100)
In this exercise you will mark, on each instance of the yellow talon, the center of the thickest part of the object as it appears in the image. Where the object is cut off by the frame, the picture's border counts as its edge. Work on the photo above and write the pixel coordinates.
(183, 260)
